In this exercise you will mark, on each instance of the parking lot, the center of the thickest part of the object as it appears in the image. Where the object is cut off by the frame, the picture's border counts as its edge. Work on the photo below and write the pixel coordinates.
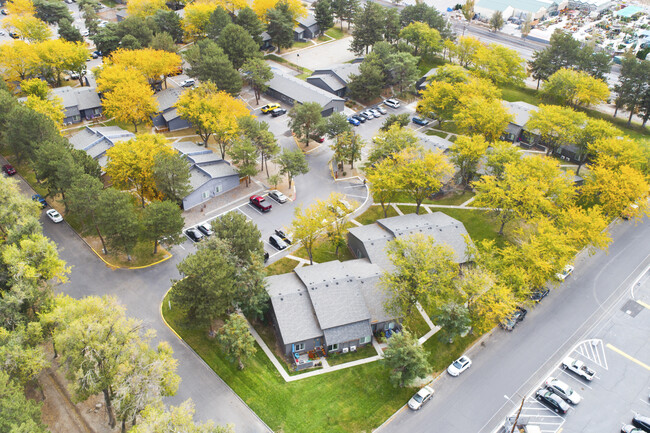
(619, 354)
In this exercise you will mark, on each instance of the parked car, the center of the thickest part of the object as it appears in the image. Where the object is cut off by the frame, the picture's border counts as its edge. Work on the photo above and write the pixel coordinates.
(188, 83)
(4, 12)
(563, 390)
(392, 103)
(39, 198)
(578, 367)
(459, 365)
(206, 229)
(366, 115)
(194, 235)
(630, 211)
(96, 54)
(359, 118)
(381, 109)
(318, 138)
(278, 112)
(259, 202)
(630, 429)
(565, 273)
(14, 35)
(283, 236)
(420, 121)
(278, 196)
(269, 107)
(511, 321)
(552, 400)
(375, 112)
(9, 169)
(354, 122)
(277, 242)
(642, 422)
(420, 397)
(54, 216)
(539, 294)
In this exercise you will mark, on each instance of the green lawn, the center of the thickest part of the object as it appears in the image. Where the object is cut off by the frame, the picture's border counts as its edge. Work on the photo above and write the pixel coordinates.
(479, 224)
(282, 266)
(406, 209)
(442, 353)
(356, 399)
(525, 94)
(340, 358)
(437, 133)
(428, 62)
(373, 214)
(455, 198)
(416, 324)
(335, 32)
(324, 251)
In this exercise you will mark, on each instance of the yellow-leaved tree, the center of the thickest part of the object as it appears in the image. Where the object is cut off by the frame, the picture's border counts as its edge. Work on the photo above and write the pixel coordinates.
(576, 88)
(131, 102)
(18, 61)
(22, 20)
(501, 65)
(477, 115)
(153, 64)
(56, 56)
(213, 113)
(145, 8)
(51, 107)
(616, 188)
(384, 183)
(131, 163)
(296, 8)
(111, 76)
(197, 17)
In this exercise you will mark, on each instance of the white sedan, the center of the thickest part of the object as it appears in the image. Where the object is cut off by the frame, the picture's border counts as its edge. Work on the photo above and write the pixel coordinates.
(563, 390)
(54, 216)
(422, 396)
(278, 196)
(459, 365)
(565, 272)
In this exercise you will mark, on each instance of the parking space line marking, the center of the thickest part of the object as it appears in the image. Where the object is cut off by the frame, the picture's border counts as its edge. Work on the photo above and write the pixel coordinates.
(648, 403)
(643, 304)
(575, 379)
(631, 358)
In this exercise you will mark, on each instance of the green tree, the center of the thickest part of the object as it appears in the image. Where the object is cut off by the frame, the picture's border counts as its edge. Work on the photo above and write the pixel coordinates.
(88, 164)
(468, 10)
(82, 200)
(116, 217)
(496, 21)
(336, 124)
(242, 235)
(257, 72)
(631, 85)
(466, 153)
(392, 26)
(51, 12)
(324, 14)
(244, 157)
(406, 359)
(163, 219)
(94, 337)
(426, 14)
(68, 32)
(390, 142)
(236, 339)
(292, 163)
(26, 130)
(208, 62)
(453, 318)
(19, 414)
(368, 84)
(280, 27)
(21, 352)
(306, 119)
(368, 28)
(403, 70)
(263, 139)
(347, 148)
(171, 175)
(424, 39)
(395, 119)
(157, 418)
(219, 20)
(423, 273)
(164, 42)
(248, 19)
(238, 45)
(169, 22)
(206, 290)
(563, 52)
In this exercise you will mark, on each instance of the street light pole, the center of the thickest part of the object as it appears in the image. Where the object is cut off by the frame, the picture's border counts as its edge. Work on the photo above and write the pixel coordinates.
(521, 406)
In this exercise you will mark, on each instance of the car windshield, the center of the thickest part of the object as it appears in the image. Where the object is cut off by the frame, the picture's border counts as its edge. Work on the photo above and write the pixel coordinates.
(457, 364)
(417, 397)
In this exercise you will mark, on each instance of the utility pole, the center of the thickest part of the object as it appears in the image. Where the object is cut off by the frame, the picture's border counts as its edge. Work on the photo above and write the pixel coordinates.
(521, 406)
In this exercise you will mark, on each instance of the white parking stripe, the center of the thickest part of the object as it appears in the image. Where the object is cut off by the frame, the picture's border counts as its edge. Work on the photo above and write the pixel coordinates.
(574, 378)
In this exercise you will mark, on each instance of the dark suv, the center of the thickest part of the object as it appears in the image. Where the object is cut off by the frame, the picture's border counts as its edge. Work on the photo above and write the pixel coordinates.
(510, 322)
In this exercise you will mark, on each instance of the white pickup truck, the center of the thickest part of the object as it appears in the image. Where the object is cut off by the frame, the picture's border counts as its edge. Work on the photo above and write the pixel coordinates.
(578, 367)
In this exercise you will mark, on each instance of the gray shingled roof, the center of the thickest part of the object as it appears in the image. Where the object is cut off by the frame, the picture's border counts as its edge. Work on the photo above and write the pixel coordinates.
(331, 81)
(434, 143)
(82, 98)
(299, 90)
(219, 169)
(348, 332)
(308, 21)
(197, 177)
(189, 148)
(520, 110)
(292, 307)
(341, 71)
(168, 97)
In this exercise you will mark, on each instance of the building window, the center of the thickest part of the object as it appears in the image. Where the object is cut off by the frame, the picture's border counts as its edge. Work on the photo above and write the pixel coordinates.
(391, 325)
(298, 347)
(217, 189)
(205, 194)
(364, 340)
(332, 347)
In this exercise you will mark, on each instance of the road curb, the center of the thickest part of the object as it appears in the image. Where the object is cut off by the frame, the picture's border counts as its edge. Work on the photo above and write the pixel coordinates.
(162, 316)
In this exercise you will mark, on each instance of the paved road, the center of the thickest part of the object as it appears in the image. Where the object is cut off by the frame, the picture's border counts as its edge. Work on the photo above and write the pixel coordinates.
(512, 363)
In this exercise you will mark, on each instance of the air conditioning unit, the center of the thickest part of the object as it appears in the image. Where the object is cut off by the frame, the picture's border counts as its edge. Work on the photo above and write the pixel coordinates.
(353, 348)
(345, 350)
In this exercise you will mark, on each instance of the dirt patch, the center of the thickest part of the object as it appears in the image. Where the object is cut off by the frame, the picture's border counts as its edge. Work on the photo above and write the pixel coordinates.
(59, 413)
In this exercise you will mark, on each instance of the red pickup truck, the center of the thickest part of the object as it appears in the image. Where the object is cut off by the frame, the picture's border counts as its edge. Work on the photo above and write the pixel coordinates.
(260, 203)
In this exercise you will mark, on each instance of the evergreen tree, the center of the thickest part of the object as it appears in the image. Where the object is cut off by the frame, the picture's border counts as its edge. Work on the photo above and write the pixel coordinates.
(248, 19)
(324, 14)
(406, 358)
(368, 28)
